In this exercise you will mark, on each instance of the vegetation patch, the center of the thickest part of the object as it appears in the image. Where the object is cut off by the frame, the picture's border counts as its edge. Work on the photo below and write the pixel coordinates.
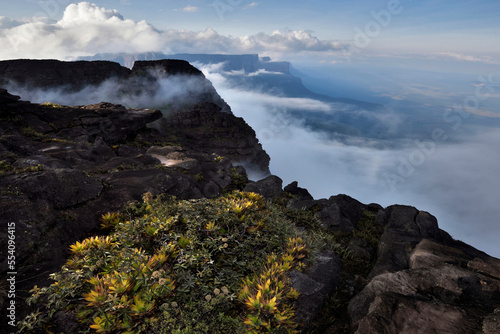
(52, 105)
(168, 266)
(6, 168)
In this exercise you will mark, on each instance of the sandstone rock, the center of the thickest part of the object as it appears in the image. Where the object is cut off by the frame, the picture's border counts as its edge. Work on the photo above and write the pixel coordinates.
(166, 67)
(316, 285)
(340, 213)
(205, 128)
(6, 97)
(269, 187)
(405, 227)
(64, 188)
(302, 193)
(437, 293)
(491, 323)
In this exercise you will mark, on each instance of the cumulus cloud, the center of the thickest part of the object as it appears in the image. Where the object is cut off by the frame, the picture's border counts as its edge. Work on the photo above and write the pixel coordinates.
(86, 29)
(289, 41)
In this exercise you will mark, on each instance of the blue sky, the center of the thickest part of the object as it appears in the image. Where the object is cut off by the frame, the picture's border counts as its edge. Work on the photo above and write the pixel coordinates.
(451, 30)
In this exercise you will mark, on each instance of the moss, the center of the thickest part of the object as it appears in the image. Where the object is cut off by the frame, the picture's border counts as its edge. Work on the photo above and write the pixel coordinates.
(6, 168)
(32, 133)
(368, 230)
(199, 177)
(15, 120)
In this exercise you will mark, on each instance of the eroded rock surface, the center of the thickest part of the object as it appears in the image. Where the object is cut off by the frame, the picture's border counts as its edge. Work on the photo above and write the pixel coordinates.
(63, 167)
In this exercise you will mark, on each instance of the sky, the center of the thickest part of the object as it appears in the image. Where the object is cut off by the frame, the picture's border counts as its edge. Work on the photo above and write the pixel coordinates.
(426, 55)
(327, 31)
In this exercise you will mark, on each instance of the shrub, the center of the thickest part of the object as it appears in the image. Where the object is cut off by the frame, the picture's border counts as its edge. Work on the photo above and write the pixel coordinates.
(222, 262)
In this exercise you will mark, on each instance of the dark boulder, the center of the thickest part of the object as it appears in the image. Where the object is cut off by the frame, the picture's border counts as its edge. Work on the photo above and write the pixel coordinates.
(270, 187)
(316, 285)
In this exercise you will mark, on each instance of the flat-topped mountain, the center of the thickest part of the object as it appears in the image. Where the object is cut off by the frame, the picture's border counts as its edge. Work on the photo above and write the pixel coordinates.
(247, 62)
(141, 83)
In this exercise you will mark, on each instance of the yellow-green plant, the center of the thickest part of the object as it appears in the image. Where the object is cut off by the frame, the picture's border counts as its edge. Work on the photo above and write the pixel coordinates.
(52, 105)
(110, 220)
(267, 295)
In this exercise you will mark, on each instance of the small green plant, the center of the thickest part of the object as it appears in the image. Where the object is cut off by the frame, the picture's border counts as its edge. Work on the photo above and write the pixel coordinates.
(368, 229)
(32, 133)
(238, 181)
(199, 177)
(110, 220)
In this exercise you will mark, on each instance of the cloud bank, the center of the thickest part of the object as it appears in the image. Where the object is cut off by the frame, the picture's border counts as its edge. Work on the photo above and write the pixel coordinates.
(86, 29)
(455, 181)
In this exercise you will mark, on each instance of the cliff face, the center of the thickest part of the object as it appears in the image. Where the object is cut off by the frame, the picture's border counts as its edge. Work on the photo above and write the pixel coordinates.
(142, 82)
(380, 270)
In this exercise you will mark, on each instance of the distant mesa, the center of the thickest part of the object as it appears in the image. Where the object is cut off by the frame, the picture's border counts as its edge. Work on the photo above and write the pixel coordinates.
(248, 62)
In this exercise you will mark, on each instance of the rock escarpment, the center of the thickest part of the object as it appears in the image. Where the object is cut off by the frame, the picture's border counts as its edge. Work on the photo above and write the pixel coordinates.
(63, 167)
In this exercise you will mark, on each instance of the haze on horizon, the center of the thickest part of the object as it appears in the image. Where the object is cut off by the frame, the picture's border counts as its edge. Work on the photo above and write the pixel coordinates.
(408, 55)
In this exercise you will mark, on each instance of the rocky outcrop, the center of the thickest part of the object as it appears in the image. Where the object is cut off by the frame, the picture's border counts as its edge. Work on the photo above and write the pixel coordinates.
(443, 289)
(205, 127)
(420, 279)
(199, 118)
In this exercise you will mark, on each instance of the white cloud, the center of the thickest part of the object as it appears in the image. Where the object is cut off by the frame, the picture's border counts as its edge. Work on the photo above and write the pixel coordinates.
(187, 9)
(86, 29)
(289, 41)
(459, 56)
(251, 5)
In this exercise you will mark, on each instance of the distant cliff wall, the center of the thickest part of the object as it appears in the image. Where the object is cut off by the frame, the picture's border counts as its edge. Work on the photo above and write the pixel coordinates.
(248, 62)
